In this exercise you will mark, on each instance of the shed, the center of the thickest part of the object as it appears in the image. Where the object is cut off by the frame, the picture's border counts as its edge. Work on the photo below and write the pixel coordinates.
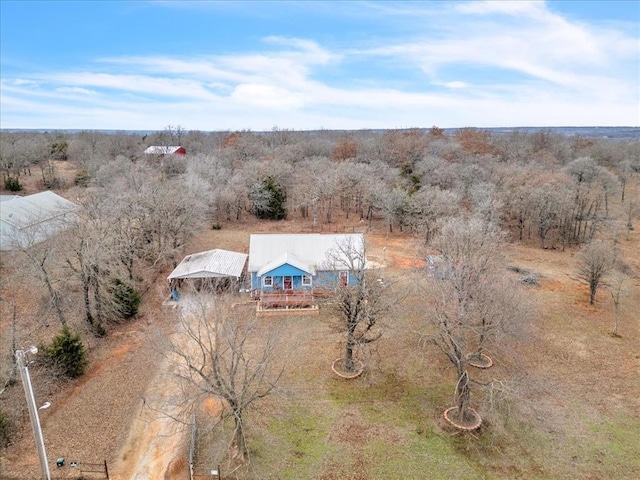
(31, 219)
(165, 150)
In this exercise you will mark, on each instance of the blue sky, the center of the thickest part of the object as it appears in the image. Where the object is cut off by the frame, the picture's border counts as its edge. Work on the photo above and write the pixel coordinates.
(143, 65)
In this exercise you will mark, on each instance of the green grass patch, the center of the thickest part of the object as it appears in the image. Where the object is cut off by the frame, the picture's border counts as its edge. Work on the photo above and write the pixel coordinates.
(420, 457)
(407, 410)
(614, 445)
(390, 427)
(296, 443)
(392, 400)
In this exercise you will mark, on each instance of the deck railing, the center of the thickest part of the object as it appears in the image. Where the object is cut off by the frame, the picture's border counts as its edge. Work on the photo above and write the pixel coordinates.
(287, 299)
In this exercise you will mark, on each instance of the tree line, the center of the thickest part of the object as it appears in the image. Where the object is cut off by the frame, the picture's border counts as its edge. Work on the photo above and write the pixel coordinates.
(543, 187)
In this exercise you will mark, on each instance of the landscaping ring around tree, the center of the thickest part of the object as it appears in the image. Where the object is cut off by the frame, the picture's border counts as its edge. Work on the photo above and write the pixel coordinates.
(336, 367)
(472, 422)
(480, 361)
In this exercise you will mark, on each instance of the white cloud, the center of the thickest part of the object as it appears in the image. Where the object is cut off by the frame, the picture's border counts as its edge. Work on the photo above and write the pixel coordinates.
(513, 8)
(258, 95)
(490, 64)
(155, 86)
(456, 84)
(72, 90)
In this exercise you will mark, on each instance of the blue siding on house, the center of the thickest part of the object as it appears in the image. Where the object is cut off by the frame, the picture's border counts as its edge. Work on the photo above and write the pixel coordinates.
(320, 279)
(278, 282)
(285, 269)
(331, 278)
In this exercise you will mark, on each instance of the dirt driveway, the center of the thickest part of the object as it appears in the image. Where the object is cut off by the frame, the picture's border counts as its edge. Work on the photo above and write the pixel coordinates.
(156, 442)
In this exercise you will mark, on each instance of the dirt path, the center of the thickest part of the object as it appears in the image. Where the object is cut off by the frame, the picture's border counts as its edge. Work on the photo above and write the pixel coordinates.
(156, 442)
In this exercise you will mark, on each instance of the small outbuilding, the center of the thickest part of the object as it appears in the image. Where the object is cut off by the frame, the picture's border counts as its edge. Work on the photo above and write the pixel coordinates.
(216, 269)
(165, 150)
(31, 219)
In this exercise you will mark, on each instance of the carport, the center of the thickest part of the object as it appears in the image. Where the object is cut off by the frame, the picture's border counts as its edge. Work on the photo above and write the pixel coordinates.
(213, 270)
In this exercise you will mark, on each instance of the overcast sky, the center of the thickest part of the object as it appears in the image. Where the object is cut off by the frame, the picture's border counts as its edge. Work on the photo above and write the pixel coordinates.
(143, 65)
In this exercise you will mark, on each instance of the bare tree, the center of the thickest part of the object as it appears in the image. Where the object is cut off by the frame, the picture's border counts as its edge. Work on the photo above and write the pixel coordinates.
(428, 207)
(361, 301)
(318, 183)
(595, 261)
(92, 258)
(223, 352)
(41, 261)
(394, 204)
(618, 291)
(551, 207)
(631, 209)
(173, 135)
(472, 304)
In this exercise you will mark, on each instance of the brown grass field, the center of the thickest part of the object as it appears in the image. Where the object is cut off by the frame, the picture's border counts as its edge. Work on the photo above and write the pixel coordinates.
(566, 403)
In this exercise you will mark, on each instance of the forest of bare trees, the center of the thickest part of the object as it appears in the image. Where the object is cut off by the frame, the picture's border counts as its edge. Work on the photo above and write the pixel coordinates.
(542, 188)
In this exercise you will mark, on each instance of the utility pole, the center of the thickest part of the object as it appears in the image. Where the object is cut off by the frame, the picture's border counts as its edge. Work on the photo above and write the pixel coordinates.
(33, 411)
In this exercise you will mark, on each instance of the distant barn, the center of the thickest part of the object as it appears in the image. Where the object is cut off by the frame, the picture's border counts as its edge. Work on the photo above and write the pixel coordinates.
(165, 150)
(29, 220)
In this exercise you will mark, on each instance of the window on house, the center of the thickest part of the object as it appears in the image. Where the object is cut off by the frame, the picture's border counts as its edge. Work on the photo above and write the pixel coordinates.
(306, 280)
(344, 278)
(267, 281)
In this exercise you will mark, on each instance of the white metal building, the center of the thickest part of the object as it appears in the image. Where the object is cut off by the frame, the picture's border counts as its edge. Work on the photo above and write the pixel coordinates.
(29, 220)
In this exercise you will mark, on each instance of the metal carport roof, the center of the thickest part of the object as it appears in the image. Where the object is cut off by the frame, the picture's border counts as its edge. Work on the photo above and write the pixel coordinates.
(209, 264)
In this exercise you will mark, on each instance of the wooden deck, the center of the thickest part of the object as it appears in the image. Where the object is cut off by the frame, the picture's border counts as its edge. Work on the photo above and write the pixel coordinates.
(287, 301)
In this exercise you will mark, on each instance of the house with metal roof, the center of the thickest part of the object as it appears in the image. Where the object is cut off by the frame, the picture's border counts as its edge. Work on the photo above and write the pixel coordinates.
(31, 219)
(287, 270)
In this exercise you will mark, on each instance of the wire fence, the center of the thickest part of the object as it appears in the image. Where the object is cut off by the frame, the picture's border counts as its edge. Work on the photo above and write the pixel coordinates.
(200, 468)
(65, 470)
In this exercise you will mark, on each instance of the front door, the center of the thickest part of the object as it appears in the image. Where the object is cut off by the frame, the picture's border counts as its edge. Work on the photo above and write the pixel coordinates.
(287, 283)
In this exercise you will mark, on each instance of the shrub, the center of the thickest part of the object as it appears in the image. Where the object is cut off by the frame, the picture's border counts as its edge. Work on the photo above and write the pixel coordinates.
(12, 184)
(126, 298)
(68, 353)
(6, 427)
(82, 178)
(59, 150)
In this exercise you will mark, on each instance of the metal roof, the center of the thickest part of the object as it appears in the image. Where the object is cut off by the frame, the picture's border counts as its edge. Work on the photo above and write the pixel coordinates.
(22, 212)
(162, 150)
(212, 263)
(312, 249)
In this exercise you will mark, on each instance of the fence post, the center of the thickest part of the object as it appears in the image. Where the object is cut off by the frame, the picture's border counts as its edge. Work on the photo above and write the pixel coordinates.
(106, 470)
(192, 447)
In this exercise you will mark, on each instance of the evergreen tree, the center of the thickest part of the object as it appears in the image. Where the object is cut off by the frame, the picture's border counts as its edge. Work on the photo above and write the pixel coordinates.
(68, 353)
(269, 200)
(126, 298)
